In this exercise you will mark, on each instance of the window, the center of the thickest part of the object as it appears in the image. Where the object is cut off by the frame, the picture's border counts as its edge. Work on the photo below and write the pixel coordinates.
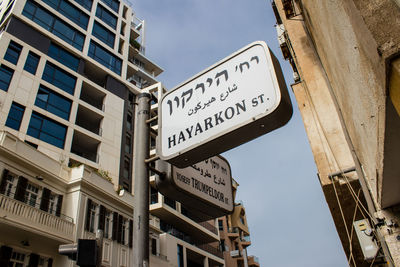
(107, 224)
(53, 102)
(70, 11)
(92, 214)
(85, 3)
(114, 5)
(180, 255)
(170, 202)
(105, 58)
(126, 168)
(128, 144)
(53, 203)
(31, 194)
(9, 185)
(47, 130)
(154, 246)
(15, 116)
(64, 57)
(31, 62)
(53, 24)
(6, 75)
(17, 260)
(222, 245)
(124, 231)
(103, 34)
(106, 16)
(242, 220)
(59, 78)
(13, 52)
(220, 225)
(153, 195)
(129, 121)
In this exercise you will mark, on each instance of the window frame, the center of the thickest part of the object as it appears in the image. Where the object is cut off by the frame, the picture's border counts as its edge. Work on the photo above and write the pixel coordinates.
(13, 52)
(106, 16)
(4, 70)
(55, 102)
(52, 73)
(29, 67)
(15, 109)
(55, 25)
(112, 62)
(63, 56)
(40, 131)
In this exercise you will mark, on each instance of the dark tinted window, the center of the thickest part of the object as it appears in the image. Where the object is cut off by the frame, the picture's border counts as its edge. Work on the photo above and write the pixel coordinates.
(103, 34)
(53, 24)
(85, 3)
(53, 102)
(5, 77)
(63, 56)
(70, 11)
(106, 16)
(15, 116)
(13, 52)
(31, 62)
(114, 5)
(47, 130)
(105, 58)
(59, 78)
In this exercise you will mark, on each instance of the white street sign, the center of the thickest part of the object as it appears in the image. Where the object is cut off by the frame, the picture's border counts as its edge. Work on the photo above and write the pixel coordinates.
(209, 180)
(204, 188)
(224, 106)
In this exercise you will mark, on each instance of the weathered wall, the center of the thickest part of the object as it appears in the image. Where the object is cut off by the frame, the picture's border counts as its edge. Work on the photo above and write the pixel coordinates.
(356, 72)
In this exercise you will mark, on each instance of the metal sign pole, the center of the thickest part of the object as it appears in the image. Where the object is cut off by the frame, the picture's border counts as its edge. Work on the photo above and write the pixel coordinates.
(141, 183)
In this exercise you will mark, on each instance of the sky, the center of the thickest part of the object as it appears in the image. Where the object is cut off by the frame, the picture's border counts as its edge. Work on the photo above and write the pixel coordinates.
(289, 220)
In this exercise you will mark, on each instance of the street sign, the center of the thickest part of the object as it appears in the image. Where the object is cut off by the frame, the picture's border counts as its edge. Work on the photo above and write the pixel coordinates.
(232, 102)
(204, 187)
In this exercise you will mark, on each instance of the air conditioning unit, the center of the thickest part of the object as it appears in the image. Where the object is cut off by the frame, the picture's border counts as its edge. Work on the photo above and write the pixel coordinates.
(280, 31)
(296, 77)
(235, 253)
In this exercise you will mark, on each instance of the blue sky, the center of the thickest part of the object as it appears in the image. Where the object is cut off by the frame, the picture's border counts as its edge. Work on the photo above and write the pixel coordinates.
(289, 220)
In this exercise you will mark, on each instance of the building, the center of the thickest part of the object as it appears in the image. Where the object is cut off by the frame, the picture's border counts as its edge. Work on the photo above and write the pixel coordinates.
(344, 56)
(69, 75)
(235, 236)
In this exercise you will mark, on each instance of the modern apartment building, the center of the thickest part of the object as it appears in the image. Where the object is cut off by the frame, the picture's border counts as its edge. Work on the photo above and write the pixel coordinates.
(235, 236)
(69, 75)
(345, 59)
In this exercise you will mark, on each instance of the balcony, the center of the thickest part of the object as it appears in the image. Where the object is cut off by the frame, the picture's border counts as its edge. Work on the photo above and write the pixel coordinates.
(174, 217)
(233, 233)
(92, 96)
(89, 120)
(20, 214)
(85, 146)
(245, 241)
(253, 261)
(143, 63)
(212, 250)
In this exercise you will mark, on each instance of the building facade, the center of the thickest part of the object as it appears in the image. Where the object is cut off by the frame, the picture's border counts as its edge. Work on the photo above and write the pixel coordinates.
(344, 56)
(69, 75)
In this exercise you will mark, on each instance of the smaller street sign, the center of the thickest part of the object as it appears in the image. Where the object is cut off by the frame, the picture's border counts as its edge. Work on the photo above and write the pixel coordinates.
(205, 187)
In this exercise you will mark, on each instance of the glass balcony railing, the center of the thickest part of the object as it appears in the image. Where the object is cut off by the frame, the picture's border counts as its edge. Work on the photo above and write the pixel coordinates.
(245, 239)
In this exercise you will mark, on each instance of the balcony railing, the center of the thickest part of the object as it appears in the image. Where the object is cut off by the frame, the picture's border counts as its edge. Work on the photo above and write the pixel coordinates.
(209, 227)
(33, 218)
(245, 239)
(212, 250)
